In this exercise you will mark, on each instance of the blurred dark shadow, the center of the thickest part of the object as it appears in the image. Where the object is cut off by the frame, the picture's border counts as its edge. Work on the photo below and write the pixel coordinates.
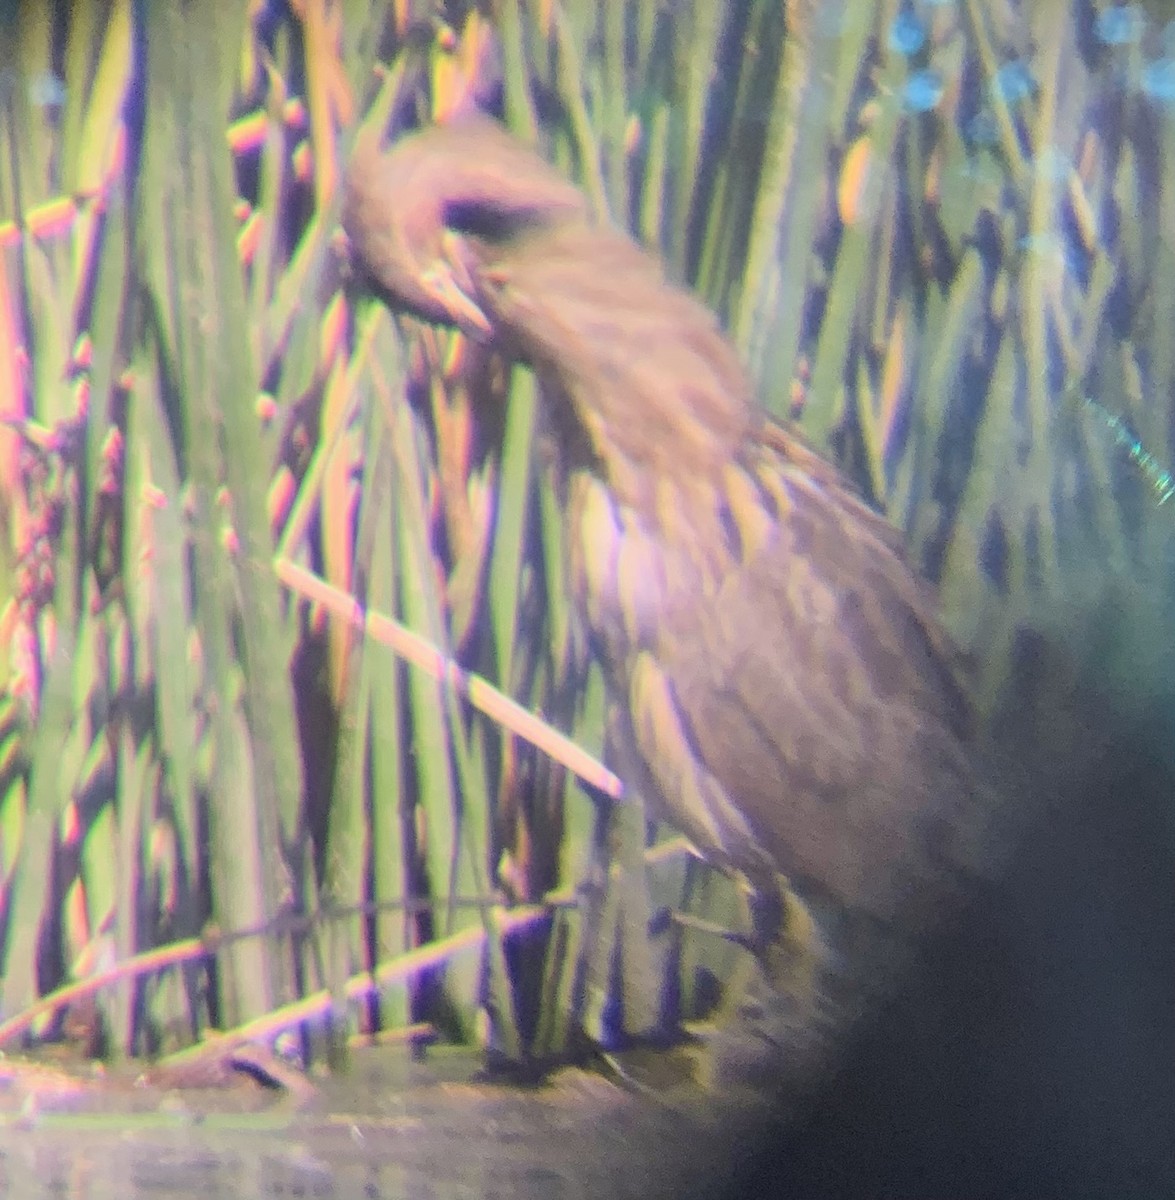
(1034, 1055)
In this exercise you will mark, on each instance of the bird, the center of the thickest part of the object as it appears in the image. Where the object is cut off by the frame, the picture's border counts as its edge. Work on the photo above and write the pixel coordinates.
(781, 688)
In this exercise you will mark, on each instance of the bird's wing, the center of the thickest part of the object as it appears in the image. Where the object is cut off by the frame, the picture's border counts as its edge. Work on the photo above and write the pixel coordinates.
(811, 699)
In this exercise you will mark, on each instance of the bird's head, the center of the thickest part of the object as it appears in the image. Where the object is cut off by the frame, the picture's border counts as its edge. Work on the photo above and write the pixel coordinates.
(406, 209)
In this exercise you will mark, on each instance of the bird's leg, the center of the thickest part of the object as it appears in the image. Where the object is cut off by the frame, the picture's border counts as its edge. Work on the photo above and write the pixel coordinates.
(786, 940)
(785, 946)
(772, 1024)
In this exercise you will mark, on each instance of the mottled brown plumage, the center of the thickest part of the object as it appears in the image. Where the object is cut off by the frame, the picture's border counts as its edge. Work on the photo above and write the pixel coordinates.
(785, 694)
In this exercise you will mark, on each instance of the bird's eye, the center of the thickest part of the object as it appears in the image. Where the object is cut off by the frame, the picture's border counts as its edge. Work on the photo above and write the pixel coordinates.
(492, 222)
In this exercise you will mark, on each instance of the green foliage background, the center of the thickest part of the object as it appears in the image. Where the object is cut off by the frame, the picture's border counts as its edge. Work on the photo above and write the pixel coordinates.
(210, 449)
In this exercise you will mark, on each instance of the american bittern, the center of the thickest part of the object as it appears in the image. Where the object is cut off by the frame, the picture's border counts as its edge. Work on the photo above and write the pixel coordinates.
(783, 692)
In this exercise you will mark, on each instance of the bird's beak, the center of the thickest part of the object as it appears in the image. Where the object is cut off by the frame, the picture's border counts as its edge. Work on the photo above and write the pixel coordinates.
(448, 281)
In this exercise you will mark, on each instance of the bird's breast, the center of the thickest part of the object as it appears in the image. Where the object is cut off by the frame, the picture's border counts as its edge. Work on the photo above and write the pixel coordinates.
(638, 569)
